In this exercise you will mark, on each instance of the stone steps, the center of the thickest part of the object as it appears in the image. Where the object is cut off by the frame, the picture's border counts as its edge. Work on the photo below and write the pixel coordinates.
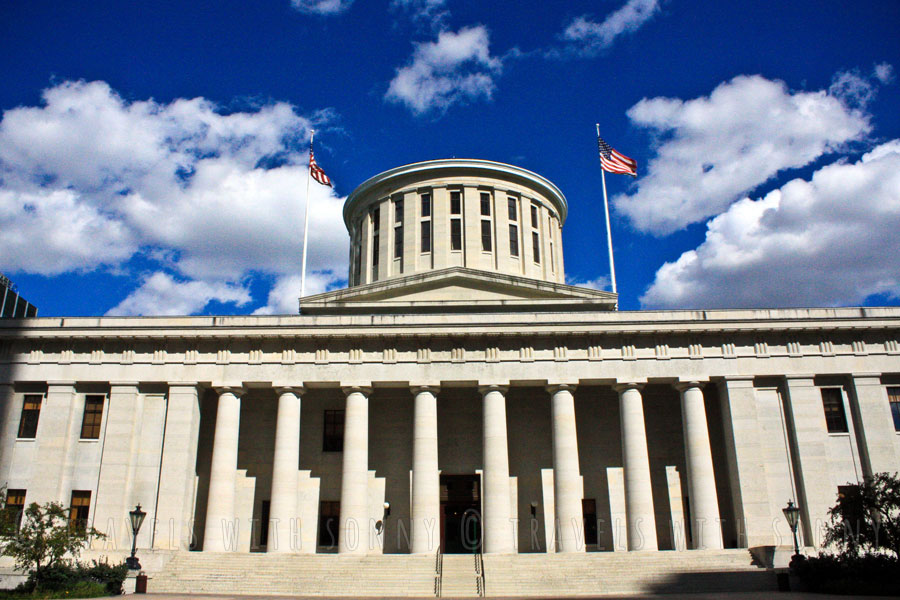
(458, 576)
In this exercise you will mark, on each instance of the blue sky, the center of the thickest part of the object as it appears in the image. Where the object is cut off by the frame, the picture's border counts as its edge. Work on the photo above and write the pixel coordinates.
(152, 154)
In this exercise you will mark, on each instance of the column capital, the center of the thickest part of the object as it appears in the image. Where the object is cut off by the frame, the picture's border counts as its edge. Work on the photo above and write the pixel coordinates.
(800, 379)
(417, 388)
(629, 385)
(486, 389)
(113, 384)
(552, 388)
(737, 381)
(365, 390)
(182, 384)
(684, 384)
(297, 390)
(61, 383)
(237, 390)
(866, 378)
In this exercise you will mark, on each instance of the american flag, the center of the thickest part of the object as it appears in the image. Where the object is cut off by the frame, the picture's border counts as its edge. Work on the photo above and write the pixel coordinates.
(614, 162)
(316, 171)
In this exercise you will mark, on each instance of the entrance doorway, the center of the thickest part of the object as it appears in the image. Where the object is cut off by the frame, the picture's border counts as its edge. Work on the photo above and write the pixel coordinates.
(460, 514)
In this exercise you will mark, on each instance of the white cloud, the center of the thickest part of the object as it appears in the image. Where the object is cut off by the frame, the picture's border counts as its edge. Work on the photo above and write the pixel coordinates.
(321, 7)
(852, 88)
(160, 294)
(458, 67)
(424, 12)
(714, 149)
(829, 241)
(284, 294)
(884, 73)
(89, 180)
(589, 37)
(601, 283)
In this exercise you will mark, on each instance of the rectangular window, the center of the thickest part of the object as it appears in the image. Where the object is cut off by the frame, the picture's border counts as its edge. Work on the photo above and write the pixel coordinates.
(264, 512)
(31, 412)
(398, 210)
(329, 514)
(333, 434)
(589, 509)
(833, 403)
(79, 509)
(426, 236)
(534, 216)
(376, 220)
(15, 507)
(894, 399)
(486, 235)
(455, 203)
(455, 234)
(485, 204)
(426, 205)
(513, 211)
(398, 241)
(536, 246)
(92, 417)
(513, 240)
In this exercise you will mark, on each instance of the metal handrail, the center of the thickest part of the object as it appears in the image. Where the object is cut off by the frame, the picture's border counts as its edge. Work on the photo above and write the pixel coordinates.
(479, 572)
(438, 572)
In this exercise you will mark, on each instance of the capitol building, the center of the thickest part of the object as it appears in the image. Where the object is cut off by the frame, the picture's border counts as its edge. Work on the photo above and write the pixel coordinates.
(457, 421)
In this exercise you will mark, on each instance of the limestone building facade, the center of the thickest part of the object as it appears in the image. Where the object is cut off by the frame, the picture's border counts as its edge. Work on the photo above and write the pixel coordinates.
(457, 395)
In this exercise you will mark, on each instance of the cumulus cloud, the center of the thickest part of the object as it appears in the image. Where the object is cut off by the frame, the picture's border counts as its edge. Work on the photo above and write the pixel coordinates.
(884, 72)
(852, 88)
(714, 149)
(161, 294)
(601, 283)
(321, 7)
(283, 295)
(588, 37)
(830, 241)
(432, 13)
(92, 181)
(456, 68)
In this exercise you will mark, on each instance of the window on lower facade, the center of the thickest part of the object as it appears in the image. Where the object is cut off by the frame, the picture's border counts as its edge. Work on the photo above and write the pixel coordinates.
(92, 418)
(513, 240)
(333, 434)
(31, 413)
(426, 236)
(589, 509)
(536, 246)
(329, 516)
(455, 234)
(15, 508)
(894, 399)
(833, 403)
(486, 235)
(79, 509)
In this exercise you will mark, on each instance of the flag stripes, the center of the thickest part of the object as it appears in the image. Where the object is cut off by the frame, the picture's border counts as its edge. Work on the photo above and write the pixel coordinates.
(316, 171)
(613, 161)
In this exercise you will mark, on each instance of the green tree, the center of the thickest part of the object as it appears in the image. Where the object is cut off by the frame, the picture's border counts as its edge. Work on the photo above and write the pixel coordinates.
(866, 517)
(45, 539)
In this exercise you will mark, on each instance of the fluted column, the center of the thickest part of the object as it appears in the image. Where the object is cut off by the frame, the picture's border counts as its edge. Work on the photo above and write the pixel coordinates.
(567, 488)
(285, 464)
(497, 526)
(426, 501)
(706, 530)
(641, 521)
(354, 520)
(223, 472)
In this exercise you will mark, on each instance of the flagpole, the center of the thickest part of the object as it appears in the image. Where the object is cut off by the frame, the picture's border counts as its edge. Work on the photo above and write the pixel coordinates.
(312, 133)
(612, 264)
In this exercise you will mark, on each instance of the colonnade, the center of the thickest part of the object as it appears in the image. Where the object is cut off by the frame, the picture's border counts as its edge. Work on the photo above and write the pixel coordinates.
(497, 521)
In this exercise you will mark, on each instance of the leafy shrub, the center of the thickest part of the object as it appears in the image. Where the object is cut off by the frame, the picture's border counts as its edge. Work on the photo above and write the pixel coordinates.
(110, 576)
(868, 574)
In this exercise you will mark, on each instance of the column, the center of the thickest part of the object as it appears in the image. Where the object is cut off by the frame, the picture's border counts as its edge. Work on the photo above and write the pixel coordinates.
(641, 521)
(59, 409)
(285, 464)
(354, 520)
(878, 442)
(426, 501)
(706, 529)
(497, 527)
(223, 472)
(10, 411)
(567, 486)
(175, 509)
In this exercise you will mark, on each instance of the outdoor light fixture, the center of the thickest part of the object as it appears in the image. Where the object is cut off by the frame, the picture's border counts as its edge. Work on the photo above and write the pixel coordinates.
(137, 519)
(792, 514)
(533, 509)
(387, 509)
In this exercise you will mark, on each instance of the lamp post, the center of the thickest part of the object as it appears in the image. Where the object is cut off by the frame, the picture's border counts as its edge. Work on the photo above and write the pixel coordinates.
(792, 514)
(137, 519)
